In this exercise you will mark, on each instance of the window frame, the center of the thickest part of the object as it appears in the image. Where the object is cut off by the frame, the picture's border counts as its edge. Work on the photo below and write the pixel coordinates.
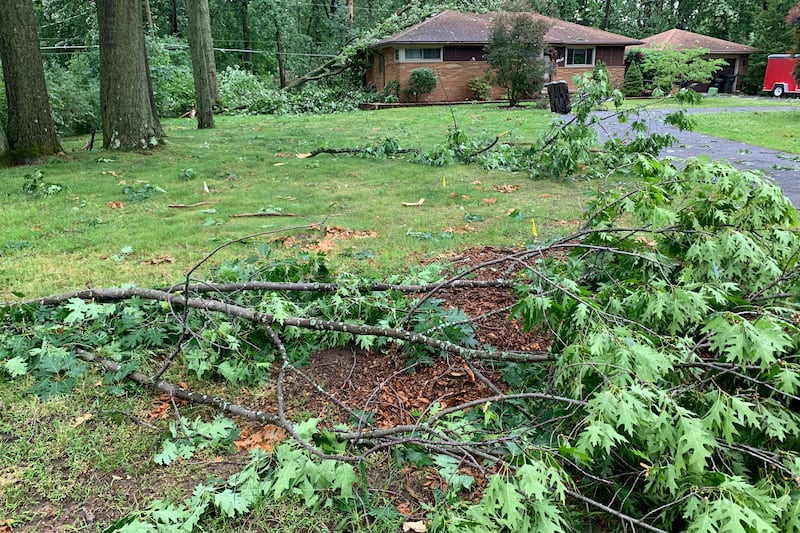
(570, 50)
(400, 54)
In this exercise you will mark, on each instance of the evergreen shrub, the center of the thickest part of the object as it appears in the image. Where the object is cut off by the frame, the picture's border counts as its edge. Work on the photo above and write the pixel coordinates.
(422, 81)
(634, 81)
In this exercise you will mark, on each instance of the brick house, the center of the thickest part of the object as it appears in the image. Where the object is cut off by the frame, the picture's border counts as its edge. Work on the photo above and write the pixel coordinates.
(454, 45)
(736, 55)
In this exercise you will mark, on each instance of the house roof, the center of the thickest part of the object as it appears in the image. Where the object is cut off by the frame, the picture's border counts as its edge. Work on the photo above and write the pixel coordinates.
(682, 39)
(453, 27)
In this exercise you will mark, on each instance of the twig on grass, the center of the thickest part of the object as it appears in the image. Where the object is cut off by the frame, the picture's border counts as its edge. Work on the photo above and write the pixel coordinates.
(196, 204)
(264, 214)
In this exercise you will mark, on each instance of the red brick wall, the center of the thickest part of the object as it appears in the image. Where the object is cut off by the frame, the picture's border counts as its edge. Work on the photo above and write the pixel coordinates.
(453, 76)
(616, 75)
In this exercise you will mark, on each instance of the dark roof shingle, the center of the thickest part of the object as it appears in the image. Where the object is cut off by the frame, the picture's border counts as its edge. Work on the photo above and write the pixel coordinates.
(682, 39)
(453, 27)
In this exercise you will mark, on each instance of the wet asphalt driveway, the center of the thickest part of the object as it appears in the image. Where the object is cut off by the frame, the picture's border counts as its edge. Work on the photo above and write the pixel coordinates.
(782, 167)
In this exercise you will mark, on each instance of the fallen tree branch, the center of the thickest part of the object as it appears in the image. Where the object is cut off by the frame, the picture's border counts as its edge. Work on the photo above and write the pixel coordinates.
(622, 516)
(318, 151)
(489, 146)
(263, 214)
(181, 393)
(196, 204)
(237, 311)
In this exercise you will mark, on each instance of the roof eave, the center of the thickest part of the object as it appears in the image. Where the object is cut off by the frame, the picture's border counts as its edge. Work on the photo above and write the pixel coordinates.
(384, 44)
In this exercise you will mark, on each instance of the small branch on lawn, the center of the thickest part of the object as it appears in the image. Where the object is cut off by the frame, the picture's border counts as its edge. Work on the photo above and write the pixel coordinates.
(196, 204)
(181, 393)
(263, 214)
(489, 146)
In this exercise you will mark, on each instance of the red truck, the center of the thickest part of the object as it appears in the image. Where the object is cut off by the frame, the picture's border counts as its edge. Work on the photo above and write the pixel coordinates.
(778, 79)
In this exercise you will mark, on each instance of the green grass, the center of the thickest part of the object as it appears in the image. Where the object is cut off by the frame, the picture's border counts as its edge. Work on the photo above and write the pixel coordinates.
(718, 101)
(775, 130)
(76, 238)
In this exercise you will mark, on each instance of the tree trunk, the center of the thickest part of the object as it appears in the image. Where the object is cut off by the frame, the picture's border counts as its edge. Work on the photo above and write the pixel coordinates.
(3, 143)
(173, 18)
(246, 44)
(199, 37)
(330, 68)
(30, 125)
(279, 57)
(149, 16)
(606, 15)
(127, 106)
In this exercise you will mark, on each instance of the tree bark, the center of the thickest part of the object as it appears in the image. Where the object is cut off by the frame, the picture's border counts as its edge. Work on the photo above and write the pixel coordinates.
(173, 18)
(279, 57)
(127, 106)
(326, 70)
(606, 15)
(246, 44)
(30, 130)
(199, 39)
(149, 16)
(3, 143)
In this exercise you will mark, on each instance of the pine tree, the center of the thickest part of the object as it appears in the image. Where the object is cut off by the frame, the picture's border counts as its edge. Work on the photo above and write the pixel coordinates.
(634, 82)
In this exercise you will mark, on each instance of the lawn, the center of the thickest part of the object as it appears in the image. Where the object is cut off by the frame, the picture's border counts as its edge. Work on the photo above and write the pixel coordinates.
(770, 129)
(112, 222)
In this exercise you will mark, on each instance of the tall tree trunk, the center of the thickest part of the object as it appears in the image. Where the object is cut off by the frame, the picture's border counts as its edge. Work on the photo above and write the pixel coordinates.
(246, 44)
(149, 16)
(279, 57)
(350, 13)
(606, 15)
(3, 143)
(199, 37)
(127, 106)
(173, 18)
(30, 125)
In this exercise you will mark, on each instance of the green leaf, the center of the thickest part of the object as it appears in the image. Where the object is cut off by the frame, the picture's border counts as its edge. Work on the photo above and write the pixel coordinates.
(16, 366)
(344, 479)
(695, 445)
(787, 380)
(169, 452)
(599, 435)
(231, 503)
(502, 497)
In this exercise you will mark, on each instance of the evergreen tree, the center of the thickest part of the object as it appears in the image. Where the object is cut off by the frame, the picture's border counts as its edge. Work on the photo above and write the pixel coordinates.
(634, 81)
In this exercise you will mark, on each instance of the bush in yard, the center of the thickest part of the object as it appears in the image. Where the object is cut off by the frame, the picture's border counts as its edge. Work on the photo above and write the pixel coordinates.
(479, 88)
(634, 82)
(670, 67)
(240, 89)
(74, 92)
(171, 72)
(421, 82)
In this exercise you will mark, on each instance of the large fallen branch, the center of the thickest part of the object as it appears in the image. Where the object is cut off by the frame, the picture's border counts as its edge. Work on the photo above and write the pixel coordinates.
(323, 150)
(245, 313)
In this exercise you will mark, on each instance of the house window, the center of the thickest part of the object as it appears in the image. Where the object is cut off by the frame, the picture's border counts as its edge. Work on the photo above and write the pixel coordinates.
(417, 55)
(580, 57)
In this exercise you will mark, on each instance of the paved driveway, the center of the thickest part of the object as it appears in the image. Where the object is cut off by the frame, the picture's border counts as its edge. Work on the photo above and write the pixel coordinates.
(782, 167)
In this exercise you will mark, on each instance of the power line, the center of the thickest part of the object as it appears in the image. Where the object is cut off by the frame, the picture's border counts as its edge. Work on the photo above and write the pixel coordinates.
(71, 48)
